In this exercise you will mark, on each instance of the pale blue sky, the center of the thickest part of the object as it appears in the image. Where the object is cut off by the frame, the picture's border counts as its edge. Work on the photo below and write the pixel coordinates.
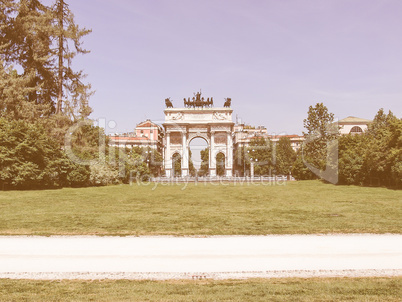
(273, 58)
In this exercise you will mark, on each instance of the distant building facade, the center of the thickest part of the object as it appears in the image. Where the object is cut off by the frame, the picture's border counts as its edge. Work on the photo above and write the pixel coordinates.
(243, 134)
(296, 141)
(146, 134)
(353, 125)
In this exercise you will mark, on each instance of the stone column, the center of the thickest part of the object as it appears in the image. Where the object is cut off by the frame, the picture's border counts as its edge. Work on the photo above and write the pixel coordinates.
(184, 157)
(229, 155)
(212, 156)
(168, 159)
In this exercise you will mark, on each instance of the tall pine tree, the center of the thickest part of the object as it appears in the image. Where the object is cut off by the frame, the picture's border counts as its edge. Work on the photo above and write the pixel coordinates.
(41, 42)
(26, 43)
(70, 87)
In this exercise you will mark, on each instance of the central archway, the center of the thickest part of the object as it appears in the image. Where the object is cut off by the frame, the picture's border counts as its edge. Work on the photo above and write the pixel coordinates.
(197, 159)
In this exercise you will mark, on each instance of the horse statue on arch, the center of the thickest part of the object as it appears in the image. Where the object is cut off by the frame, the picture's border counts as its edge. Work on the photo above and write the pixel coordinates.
(211, 102)
(187, 104)
(168, 103)
(227, 103)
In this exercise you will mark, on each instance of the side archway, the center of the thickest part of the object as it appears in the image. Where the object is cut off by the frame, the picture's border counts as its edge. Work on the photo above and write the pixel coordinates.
(220, 164)
(176, 163)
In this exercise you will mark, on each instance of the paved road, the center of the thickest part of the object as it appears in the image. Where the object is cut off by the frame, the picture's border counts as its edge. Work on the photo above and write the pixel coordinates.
(22, 255)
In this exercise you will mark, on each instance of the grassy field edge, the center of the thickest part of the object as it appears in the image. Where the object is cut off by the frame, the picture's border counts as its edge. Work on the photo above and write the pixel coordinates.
(307, 207)
(287, 289)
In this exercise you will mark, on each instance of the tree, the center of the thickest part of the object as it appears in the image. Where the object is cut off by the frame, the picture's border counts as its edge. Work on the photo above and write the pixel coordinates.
(220, 164)
(32, 40)
(154, 160)
(7, 8)
(319, 122)
(13, 92)
(383, 156)
(299, 169)
(319, 152)
(352, 151)
(69, 83)
(394, 157)
(375, 156)
(103, 174)
(377, 128)
(26, 41)
(176, 158)
(241, 160)
(40, 39)
(30, 159)
(260, 152)
(204, 168)
(136, 165)
(191, 169)
(24, 155)
(284, 156)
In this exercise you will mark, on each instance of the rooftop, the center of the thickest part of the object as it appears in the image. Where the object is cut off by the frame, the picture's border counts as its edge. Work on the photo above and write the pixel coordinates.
(128, 138)
(353, 119)
(147, 123)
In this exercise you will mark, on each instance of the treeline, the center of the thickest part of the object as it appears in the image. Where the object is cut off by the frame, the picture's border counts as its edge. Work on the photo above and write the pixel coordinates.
(42, 97)
(31, 159)
(372, 158)
(268, 158)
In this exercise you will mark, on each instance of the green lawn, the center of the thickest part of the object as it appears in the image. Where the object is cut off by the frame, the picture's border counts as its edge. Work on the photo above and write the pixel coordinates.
(297, 207)
(328, 289)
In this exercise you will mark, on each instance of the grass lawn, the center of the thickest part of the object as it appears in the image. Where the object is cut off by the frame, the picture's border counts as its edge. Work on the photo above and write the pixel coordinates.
(329, 289)
(304, 207)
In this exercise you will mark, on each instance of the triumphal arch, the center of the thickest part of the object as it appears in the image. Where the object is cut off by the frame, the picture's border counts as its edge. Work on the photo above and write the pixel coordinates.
(198, 118)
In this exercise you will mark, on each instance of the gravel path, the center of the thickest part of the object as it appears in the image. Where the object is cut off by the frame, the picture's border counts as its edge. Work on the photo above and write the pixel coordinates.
(216, 257)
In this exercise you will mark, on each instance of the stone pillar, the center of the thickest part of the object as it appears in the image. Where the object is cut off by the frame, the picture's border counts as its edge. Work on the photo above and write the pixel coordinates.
(212, 156)
(184, 156)
(229, 155)
(251, 169)
(168, 159)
